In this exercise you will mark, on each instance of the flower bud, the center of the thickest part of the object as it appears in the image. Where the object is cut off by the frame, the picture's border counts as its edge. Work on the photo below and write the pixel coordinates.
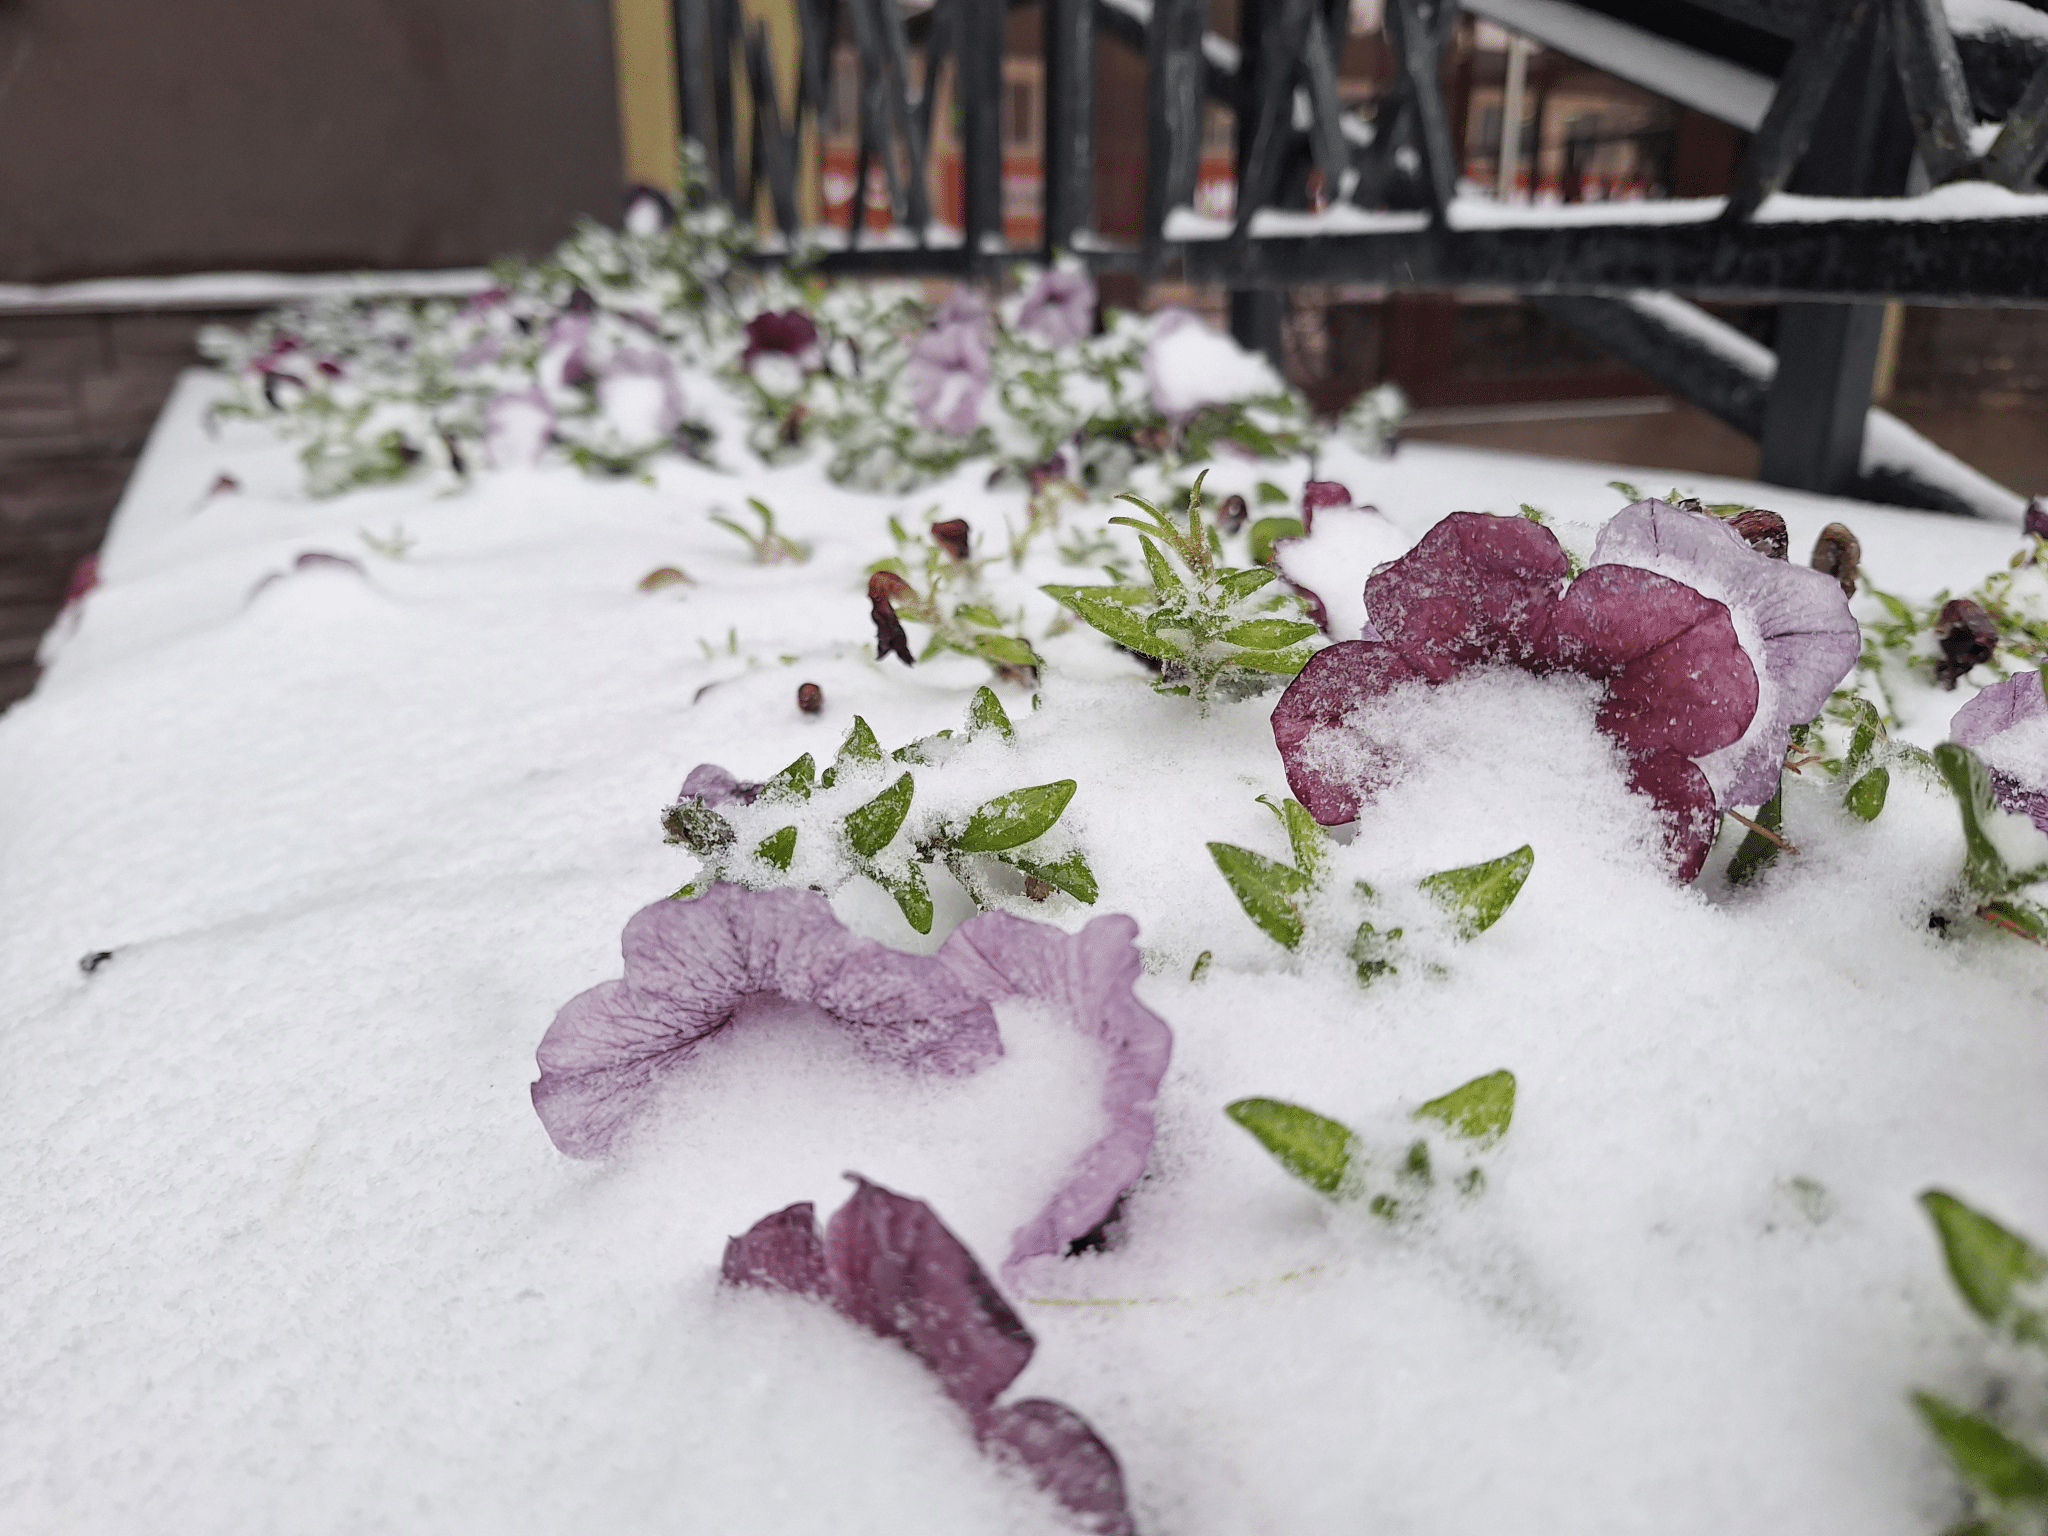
(810, 698)
(1837, 552)
(1763, 531)
(1967, 636)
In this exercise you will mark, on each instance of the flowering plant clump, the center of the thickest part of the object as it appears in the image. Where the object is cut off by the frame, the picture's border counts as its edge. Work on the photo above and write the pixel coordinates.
(889, 1264)
(1699, 691)
(862, 817)
(697, 967)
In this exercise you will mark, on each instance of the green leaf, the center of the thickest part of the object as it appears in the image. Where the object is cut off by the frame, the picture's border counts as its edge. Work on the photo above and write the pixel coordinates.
(1989, 1264)
(1268, 634)
(1242, 584)
(1478, 894)
(1626, 489)
(1312, 1147)
(1011, 820)
(1265, 888)
(1989, 1459)
(793, 783)
(1268, 531)
(697, 827)
(1756, 851)
(2021, 915)
(1373, 953)
(860, 745)
(778, 848)
(1007, 649)
(870, 827)
(986, 713)
(1164, 577)
(912, 899)
(1983, 865)
(1201, 965)
(694, 889)
(1305, 836)
(1480, 1110)
(1865, 798)
(1866, 730)
(1116, 611)
(1270, 495)
(1282, 663)
(1069, 872)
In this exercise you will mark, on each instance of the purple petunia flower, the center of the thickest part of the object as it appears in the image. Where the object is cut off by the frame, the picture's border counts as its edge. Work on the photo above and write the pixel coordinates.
(1792, 620)
(518, 426)
(1486, 591)
(641, 394)
(698, 966)
(948, 371)
(2007, 726)
(888, 1263)
(2035, 522)
(1318, 494)
(1059, 307)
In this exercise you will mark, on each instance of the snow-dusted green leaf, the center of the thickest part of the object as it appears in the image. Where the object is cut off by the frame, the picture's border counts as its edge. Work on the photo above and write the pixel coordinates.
(1755, 850)
(985, 713)
(697, 827)
(1242, 584)
(1373, 953)
(777, 848)
(913, 900)
(1280, 663)
(1268, 634)
(1998, 1272)
(860, 745)
(1119, 612)
(1312, 1147)
(2016, 915)
(870, 827)
(1477, 895)
(1010, 821)
(1990, 1460)
(1865, 798)
(1480, 1110)
(1308, 841)
(1866, 730)
(794, 782)
(1164, 577)
(974, 613)
(1265, 888)
(1069, 872)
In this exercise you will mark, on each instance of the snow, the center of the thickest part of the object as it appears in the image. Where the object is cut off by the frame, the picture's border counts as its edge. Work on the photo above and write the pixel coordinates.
(1699, 80)
(1985, 18)
(200, 290)
(286, 1248)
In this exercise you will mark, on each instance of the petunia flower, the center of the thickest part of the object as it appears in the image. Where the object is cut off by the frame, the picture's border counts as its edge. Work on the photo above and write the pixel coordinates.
(888, 1263)
(641, 394)
(1059, 308)
(1485, 591)
(699, 966)
(2007, 726)
(1793, 622)
(782, 347)
(948, 371)
(518, 426)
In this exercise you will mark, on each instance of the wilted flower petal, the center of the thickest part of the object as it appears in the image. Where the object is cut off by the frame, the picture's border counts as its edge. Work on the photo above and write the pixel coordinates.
(715, 787)
(1067, 1459)
(1089, 978)
(780, 1252)
(691, 969)
(1475, 589)
(2007, 726)
(1059, 308)
(896, 1269)
(1793, 621)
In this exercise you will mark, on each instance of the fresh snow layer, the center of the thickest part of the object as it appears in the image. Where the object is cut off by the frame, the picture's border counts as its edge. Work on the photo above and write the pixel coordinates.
(288, 1251)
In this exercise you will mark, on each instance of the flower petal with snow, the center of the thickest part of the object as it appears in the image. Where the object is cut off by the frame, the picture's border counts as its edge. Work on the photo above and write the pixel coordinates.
(1793, 621)
(888, 1263)
(641, 394)
(2007, 726)
(948, 371)
(517, 429)
(1480, 590)
(694, 967)
(1059, 308)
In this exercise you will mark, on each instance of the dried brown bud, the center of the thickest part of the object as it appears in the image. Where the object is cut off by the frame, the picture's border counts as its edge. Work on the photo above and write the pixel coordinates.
(223, 482)
(810, 698)
(885, 590)
(1967, 636)
(1763, 531)
(1837, 552)
(664, 576)
(793, 425)
(2035, 524)
(952, 537)
(1231, 515)
(1038, 889)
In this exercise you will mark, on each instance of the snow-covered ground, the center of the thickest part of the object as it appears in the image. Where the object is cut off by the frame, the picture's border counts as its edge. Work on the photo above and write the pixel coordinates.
(287, 1249)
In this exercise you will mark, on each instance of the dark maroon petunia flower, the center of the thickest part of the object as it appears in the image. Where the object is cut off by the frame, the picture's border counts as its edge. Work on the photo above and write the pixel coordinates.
(789, 332)
(1485, 591)
(888, 1263)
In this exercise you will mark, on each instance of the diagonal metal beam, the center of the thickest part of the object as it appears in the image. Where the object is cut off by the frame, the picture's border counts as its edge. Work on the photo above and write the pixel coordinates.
(1417, 30)
(1173, 110)
(1937, 98)
(1780, 141)
(2021, 148)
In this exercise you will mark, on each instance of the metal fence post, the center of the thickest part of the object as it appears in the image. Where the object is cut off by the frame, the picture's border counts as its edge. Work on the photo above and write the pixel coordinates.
(1069, 121)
